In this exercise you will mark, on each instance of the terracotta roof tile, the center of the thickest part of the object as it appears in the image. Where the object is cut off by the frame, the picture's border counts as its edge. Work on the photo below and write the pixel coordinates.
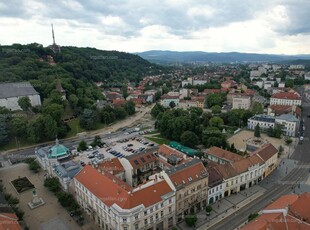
(223, 154)
(111, 190)
(113, 166)
(138, 160)
(9, 221)
(187, 173)
(226, 170)
(287, 95)
(266, 151)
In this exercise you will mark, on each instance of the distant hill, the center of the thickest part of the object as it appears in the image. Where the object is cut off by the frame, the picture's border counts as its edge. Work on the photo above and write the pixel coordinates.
(160, 56)
(29, 62)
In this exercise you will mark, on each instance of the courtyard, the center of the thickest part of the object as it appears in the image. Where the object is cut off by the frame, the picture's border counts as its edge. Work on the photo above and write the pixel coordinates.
(43, 217)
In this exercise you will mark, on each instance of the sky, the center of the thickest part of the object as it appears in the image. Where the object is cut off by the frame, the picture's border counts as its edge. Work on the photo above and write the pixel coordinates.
(251, 26)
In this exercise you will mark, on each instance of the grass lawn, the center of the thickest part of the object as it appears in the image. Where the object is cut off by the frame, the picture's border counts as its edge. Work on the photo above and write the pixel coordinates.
(12, 144)
(158, 140)
(75, 127)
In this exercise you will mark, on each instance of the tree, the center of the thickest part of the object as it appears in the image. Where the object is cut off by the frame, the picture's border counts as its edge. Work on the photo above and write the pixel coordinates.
(55, 110)
(209, 209)
(191, 220)
(189, 139)
(34, 129)
(120, 113)
(216, 122)
(172, 104)
(4, 130)
(130, 107)
(270, 132)
(73, 101)
(215, 99)
(24, 103)
(52, 183)
(252, 216)
(82, 146)
(257, 108)
(278, 131)
(50, 127)
(216, 109)
(87, 119)
(257, 131)
(18, 126)
(156, 110)
(288, 140)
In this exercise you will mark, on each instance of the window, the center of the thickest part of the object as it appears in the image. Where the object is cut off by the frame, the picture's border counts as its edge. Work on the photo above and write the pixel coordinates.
(124, 219)
(137, 227)
(151, 209)
(170, 201)
(125, 228)
(151, 218)
(170, 209)
(145, 222)
(136, 217)
(162, 205)
(145, 213)
(162, 213)
(156, 216)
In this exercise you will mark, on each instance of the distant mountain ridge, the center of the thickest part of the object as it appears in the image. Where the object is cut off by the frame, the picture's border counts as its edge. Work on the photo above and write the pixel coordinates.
(165, 56)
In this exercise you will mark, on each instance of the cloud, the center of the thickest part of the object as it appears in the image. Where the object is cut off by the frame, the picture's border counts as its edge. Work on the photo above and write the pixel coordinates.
(134, 25)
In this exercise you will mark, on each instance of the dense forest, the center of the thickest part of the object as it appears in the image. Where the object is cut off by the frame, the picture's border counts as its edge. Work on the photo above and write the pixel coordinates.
(76, 69)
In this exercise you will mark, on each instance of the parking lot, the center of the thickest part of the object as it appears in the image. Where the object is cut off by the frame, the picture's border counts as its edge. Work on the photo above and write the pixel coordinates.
(121, 148)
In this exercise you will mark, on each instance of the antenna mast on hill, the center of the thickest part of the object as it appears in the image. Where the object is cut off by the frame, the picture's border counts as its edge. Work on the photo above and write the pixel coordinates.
(53, 35)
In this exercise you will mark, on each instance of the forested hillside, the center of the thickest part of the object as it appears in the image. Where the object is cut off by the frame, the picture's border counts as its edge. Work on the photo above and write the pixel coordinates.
(76, 69)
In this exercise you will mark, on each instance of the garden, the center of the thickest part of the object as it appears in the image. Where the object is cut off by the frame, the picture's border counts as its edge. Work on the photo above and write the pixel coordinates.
(22, 184)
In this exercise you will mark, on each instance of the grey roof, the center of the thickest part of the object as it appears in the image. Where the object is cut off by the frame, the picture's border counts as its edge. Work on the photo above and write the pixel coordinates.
(173, 170)
(264, 118)
(68, 169)
(16, 89)
(288, 117)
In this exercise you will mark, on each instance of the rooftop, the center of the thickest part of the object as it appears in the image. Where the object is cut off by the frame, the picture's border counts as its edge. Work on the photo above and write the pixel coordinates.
(264, 118)
(16, 89)
(187, 173)
(111, 190)
(287, 95)
(223, 154)
(113, 166)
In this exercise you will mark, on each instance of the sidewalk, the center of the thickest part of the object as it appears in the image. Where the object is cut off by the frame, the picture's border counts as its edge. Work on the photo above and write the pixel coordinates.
(225, 208)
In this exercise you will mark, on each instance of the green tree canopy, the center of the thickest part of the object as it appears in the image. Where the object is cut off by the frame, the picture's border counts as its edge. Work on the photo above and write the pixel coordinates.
(24, 103)
(190, 139)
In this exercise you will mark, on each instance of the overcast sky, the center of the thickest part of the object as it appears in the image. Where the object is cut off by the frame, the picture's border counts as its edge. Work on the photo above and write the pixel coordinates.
(260, 26)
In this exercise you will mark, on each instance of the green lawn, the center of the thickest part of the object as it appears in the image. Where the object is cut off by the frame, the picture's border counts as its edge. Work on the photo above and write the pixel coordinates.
(12, 144)
(75, 127)
(159, 141)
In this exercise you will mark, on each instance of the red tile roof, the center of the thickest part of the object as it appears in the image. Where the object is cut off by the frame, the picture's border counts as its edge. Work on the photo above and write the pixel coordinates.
(166, 96)
(166, 151)
(187, 173)
(9, 221)
(223, 154)
(110, 191)
(226, 170)
(287, 95)
(113, 166)
(298, 216)
(140, 159)
(243, 165)
(266, 151)
(284, 109)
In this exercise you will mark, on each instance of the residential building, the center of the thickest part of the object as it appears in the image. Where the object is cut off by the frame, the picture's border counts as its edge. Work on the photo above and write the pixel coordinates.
(228, 84)
(287, 212)
(113, 204)
(10, 93)
(221, 156)
(277, 110)
(288, 122)
(140, 166)
(264, 121)
(285, 98)
(241, 102)
(186, 104)
(269, 154)
(200, 102)
(216, 185)
(191, 183)
(114, 167)
(184, 93)
(172, 156)
(167, 100)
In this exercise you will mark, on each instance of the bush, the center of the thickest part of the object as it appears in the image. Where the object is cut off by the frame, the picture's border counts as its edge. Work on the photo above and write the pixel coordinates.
(190, 220)
(52, 183)
(252, 216)
(209, 208)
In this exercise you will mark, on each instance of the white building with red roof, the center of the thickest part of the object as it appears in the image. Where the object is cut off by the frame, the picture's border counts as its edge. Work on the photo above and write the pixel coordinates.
(113, 204)
(285, 98)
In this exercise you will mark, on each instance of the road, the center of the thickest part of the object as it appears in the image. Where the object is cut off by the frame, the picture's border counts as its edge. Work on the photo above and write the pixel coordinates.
(299, 174)
(107, 134)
